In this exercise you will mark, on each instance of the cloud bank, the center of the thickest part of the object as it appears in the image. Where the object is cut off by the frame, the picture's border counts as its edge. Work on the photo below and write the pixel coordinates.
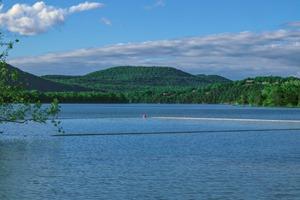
(39, 17)
(236, 55)
(295, 24)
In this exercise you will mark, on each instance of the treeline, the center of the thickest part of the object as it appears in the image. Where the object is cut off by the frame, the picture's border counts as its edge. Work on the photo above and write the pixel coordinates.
(75, 97)
(260, 91)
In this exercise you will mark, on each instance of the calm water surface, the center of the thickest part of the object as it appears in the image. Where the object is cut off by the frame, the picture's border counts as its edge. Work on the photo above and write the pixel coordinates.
(205, 165)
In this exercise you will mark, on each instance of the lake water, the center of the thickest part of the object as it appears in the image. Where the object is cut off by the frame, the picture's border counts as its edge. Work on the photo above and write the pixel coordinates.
(202, 159)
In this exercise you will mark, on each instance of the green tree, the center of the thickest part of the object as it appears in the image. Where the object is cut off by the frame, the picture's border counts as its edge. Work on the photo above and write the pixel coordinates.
(15, 105)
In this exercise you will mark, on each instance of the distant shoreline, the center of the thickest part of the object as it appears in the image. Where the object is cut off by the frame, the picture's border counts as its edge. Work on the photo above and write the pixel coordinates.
(220, 104)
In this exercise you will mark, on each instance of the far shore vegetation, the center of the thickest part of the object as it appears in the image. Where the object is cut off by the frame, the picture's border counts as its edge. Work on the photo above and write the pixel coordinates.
(259, 91)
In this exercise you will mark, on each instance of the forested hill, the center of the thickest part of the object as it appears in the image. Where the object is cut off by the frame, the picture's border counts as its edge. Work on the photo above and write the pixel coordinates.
(129, 78)
(214, 78)
(259, 91)
(161, 85)
(31, 82)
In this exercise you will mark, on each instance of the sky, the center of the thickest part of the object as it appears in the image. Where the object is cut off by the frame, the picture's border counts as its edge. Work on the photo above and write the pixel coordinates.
(232, 38)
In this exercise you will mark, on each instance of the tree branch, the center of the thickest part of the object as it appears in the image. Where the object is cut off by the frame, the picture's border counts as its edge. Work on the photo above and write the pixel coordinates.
(14, 121)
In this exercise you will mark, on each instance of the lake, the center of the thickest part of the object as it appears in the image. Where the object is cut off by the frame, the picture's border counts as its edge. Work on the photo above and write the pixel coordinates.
(189, 154)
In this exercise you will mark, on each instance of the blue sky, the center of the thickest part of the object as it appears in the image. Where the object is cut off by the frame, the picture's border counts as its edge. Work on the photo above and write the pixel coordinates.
(137, 23)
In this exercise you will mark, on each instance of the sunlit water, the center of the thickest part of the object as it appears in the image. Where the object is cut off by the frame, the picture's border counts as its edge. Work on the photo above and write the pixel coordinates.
(205, 165)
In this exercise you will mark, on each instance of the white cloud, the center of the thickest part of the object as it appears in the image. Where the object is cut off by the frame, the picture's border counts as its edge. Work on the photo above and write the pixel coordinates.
(85, 6)
(106, 21)
(38, 18)
(233, 55)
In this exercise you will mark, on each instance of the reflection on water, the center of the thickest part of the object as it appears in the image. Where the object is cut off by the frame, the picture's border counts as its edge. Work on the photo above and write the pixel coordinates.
(248, 165)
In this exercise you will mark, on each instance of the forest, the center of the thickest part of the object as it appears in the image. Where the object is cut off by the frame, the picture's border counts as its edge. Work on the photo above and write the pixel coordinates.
(259, 91)
(131, 84)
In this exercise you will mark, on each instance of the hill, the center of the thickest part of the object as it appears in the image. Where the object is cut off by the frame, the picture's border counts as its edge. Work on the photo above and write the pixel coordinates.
(129, 78)
(258, 91)
(214, 78)
(162, 85)
(31, 82)
(261, 91)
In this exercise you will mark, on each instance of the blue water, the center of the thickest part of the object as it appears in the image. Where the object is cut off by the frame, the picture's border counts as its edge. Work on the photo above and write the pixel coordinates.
(205, 165)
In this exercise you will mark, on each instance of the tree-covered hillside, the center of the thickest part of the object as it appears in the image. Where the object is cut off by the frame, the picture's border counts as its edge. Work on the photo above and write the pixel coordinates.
(214, 78)
(260, 91)
(161, 85)
(128, 78)
(31, 82)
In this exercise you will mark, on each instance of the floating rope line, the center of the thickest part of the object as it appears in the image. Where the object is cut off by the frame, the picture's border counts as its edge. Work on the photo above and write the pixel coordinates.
(229, 119)
(173, 132)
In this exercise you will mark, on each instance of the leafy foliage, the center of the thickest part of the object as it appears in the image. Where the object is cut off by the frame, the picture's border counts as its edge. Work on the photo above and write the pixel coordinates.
(15, 106)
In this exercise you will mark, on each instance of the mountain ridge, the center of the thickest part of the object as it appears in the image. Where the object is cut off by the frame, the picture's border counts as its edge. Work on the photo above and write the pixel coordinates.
(29, 81)
(137, 77)
(170, 87)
